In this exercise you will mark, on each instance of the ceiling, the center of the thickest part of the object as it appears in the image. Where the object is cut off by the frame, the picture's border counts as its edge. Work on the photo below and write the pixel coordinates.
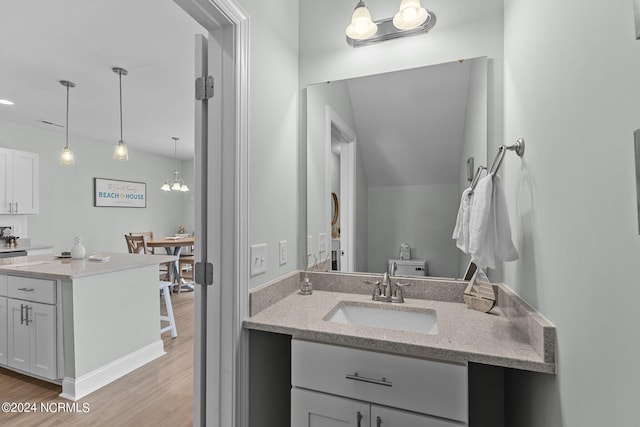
(410, 124)
(44, 41)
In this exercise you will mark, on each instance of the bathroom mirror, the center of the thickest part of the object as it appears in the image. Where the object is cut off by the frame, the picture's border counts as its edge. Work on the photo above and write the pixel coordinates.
(393, 147)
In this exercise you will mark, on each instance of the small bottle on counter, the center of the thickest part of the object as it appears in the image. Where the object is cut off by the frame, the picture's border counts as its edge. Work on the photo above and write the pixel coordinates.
(306, 287)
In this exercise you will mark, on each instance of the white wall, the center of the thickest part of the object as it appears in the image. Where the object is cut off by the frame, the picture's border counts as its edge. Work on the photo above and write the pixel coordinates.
(273, 131)
(572, 90)
(66, 193)
(422, 216)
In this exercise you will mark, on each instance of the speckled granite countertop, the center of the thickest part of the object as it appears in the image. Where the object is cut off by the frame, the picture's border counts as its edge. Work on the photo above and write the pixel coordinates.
(51, 267)
(512, 335)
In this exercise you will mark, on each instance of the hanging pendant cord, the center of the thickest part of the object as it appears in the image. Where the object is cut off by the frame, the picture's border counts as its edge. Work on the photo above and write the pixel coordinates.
(67, 125)
(120, 75)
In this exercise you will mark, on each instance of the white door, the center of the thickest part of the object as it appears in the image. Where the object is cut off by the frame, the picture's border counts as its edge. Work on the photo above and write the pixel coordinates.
(26, 182)
(17, 335)
(3, 330)
(313, 409)
(388, 417)
(42, 339)
(6, 180)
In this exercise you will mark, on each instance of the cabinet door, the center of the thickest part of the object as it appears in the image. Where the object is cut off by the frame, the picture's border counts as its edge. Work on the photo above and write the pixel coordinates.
(17, 335)
(26, 182)
(387, 417)
(312, 409)
(6, 180)
(42, 340)
(3, 330)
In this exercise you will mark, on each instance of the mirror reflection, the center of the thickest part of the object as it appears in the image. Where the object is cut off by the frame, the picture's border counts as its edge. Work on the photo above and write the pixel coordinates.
(393, 152)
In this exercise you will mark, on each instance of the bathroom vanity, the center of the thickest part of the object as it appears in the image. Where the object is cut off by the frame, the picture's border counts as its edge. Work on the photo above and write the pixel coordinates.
(367, 375)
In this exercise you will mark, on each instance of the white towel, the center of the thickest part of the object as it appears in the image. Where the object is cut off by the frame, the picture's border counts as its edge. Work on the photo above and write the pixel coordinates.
(461, 230)
(489, 229)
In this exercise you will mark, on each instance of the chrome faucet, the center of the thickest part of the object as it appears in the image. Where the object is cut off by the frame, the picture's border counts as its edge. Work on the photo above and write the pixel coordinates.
(387, 293)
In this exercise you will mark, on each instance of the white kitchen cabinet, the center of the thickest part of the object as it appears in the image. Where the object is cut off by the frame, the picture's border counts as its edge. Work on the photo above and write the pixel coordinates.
(20, 182)
(31, 326)
(3, 330)
(401, 391)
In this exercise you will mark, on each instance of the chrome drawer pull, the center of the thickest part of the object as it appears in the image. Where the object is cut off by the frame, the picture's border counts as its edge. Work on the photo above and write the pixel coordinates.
(357, 377)
(378, 421)
(22, 306)
(359, 419)
(26, 289)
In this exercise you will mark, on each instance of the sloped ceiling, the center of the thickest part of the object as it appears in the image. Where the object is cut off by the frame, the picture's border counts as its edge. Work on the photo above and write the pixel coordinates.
(44, 41)
(410, 124)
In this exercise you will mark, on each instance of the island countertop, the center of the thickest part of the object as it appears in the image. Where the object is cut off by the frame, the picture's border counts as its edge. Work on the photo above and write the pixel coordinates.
(53, 267)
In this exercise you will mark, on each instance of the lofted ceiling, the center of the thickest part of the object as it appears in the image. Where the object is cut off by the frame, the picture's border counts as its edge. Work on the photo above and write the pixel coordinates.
(44, 41)
(410, 124)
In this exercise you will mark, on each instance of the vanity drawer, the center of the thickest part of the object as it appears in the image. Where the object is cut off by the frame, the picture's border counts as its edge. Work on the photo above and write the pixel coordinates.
(37, 290)
(424, 386)
(3, 285)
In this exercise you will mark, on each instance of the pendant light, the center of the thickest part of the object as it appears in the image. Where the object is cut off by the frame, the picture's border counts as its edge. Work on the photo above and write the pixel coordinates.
(120, 152)
(66, 157)
(361, 27)
(178, 184)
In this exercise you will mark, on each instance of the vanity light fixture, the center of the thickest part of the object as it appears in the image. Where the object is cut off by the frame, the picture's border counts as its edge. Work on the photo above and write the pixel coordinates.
(120, 152)
(410, 20)
(6, 102)
(178, 184)
(66, 157)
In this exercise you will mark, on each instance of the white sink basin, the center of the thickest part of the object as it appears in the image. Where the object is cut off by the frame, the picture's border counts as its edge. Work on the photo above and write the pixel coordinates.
(378, 316)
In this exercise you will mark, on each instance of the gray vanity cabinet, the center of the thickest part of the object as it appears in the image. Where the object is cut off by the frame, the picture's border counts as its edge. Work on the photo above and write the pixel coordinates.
(335, 385)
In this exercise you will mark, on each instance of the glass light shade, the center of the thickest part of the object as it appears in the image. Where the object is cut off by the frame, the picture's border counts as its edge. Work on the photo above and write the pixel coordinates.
(184, 187)
(410, 15)
(175, 186)
(361, 27)
(121, 152)
(165, 186)
(66, 157)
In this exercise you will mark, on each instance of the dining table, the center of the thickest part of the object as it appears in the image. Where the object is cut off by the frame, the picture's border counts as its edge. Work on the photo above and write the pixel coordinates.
(173, 246)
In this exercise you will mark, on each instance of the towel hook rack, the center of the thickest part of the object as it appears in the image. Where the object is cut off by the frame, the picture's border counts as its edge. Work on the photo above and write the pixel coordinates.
(518, 147)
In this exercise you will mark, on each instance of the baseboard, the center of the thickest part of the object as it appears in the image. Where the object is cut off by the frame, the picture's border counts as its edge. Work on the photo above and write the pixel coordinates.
(77, 388)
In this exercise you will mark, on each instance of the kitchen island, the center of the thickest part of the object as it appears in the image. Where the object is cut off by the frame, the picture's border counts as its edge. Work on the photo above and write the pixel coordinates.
(79, 323)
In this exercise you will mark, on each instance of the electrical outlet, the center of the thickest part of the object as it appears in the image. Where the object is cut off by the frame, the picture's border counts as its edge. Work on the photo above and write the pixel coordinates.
(309, 243)
(322, 242)
(283, 252)
(258, 257)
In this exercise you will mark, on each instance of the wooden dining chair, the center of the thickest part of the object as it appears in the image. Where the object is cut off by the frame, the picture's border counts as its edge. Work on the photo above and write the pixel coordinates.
(148, 235)
(137, 244)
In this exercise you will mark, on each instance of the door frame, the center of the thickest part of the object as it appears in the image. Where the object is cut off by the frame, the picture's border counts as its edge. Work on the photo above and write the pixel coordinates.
(221, 399)
(335, 125)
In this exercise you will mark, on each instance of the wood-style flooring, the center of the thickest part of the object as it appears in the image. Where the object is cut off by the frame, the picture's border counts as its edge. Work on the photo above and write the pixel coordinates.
(157, 394)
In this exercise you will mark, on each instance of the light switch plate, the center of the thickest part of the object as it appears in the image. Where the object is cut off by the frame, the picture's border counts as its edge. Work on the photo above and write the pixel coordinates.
(282, 250)
(322, 242)
(309, 243)
(258, 259)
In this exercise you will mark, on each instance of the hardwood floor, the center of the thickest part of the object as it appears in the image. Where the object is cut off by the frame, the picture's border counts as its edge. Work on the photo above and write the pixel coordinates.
(157, 394)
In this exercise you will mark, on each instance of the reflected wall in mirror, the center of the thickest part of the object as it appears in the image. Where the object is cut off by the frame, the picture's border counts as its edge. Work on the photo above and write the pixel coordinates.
(393, 147)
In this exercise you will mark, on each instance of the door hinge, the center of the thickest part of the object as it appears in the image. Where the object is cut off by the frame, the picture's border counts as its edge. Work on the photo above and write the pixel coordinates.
(204, 88)
(204, 273)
